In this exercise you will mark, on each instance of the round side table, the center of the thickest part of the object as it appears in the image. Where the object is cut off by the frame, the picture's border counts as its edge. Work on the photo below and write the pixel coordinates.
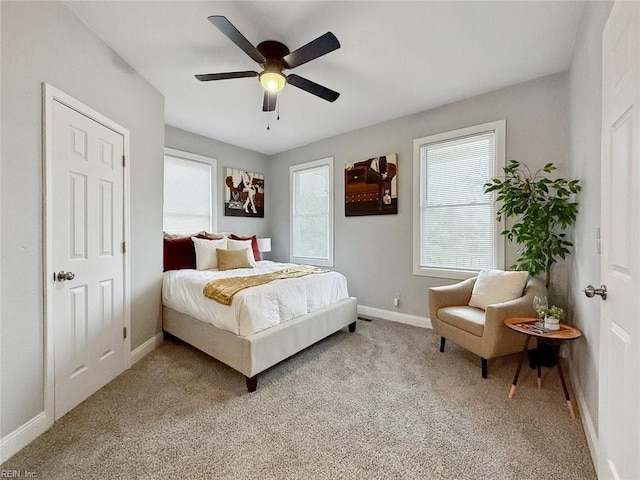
(531, 328)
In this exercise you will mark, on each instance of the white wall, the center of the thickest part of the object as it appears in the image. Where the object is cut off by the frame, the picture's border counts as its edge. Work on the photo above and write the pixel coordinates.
(585, 85)
(375, 252)
(227, 155)
(45, 42)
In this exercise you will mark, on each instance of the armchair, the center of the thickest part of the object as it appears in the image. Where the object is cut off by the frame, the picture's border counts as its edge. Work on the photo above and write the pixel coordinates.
(480, 331)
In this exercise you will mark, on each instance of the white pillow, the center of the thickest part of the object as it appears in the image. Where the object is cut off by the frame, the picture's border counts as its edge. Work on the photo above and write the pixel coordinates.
(241, 245)
(497, 286)
(206, 257)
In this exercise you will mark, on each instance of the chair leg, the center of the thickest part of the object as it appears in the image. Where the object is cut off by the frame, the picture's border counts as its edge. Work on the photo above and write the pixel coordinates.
(442, 342)
(484, 367)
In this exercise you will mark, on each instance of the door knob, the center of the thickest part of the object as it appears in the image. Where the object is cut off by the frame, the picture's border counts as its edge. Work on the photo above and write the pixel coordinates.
(591, 291)
(61, 276)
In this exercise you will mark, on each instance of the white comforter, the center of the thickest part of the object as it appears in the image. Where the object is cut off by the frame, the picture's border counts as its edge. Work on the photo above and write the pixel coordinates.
(256, 308)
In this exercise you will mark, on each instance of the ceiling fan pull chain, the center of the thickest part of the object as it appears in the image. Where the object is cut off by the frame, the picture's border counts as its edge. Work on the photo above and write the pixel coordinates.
(268, 108)
(278, 107)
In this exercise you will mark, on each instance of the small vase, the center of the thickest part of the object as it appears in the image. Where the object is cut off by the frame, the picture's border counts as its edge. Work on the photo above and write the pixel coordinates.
(551, 323)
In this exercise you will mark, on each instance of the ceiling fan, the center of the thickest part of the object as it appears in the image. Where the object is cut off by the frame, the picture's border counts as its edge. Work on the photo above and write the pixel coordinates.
(274, 57)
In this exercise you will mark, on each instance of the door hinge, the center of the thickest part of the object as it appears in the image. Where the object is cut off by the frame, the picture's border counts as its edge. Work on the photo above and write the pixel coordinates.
(124, 247)
(124, 333)
(124, 161)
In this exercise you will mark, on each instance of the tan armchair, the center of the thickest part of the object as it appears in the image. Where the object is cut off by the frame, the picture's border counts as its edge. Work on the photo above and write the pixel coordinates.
(480, 331)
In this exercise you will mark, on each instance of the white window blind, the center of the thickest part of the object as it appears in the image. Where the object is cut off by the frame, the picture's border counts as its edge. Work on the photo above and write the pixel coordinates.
(457, 226)
(312, 213)
(187, 195)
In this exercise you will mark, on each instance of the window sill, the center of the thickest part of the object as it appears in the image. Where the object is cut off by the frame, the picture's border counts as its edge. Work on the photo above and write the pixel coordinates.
(445, 273)
(316, 262)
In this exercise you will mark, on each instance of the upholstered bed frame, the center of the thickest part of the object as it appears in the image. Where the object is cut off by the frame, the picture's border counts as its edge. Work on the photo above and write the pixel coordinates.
(255, 353)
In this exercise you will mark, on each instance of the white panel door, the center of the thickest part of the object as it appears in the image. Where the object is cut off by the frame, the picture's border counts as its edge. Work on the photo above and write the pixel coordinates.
(619, 375)
(88, 309)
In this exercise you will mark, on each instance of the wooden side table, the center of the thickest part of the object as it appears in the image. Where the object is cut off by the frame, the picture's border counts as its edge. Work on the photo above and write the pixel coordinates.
(529, 326)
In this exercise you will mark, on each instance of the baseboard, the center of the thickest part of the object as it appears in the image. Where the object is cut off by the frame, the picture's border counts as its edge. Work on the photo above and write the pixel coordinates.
(414, 320)
(585, 417)
(146, 348)
(23, 436)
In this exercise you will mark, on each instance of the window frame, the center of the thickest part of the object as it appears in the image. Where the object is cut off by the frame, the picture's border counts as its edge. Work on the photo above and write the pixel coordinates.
(293, 170)
(499, 129)
(194, 157)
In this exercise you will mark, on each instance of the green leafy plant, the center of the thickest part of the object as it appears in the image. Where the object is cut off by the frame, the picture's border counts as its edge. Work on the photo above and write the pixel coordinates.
(543, 209)
(555, 312)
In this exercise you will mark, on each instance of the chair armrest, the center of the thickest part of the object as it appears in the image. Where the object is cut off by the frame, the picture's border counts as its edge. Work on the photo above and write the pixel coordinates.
(497, 313)
(450, 295)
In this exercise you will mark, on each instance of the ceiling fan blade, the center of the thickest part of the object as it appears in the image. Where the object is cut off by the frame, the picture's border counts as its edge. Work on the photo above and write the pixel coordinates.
(314, 49)
(207, 77)
(226, 27)
(269, 101)
(313, 88)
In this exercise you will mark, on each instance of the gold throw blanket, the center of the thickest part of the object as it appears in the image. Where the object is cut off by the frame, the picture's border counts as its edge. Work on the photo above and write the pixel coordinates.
(223, 290)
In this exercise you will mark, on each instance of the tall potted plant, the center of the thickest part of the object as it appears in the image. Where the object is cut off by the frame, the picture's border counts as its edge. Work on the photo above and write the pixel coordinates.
(543, 208)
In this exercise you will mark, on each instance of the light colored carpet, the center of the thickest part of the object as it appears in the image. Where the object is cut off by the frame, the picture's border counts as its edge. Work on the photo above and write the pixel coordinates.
(379, 403)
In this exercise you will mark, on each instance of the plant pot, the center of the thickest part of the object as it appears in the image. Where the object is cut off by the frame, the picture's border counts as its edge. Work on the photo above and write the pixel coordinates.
(551, 323)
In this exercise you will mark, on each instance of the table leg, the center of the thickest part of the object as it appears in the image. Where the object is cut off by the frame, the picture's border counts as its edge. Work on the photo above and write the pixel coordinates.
(523, 355)
(564, 386)
(538, 355)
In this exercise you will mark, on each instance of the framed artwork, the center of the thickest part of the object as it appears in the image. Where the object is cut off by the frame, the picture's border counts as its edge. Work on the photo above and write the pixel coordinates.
(371, 186)
(243, 193)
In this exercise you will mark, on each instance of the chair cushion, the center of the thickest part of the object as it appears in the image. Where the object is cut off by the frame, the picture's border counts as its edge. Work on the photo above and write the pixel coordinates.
(465, 318)
(497, 286)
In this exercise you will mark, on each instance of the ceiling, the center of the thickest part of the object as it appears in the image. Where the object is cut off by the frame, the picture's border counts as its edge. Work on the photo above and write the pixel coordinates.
(396, 58)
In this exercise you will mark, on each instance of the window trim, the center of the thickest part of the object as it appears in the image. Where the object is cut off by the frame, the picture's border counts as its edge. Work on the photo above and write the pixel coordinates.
(329, 261)
(194, 157)
(499, 128)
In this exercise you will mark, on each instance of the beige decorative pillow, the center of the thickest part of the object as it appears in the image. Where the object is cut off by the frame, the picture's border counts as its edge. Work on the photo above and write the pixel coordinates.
(230, 259)
(172, 236)
(210, 236)
(206, 257)
(241, 245)
(200, 234)
(497, 286)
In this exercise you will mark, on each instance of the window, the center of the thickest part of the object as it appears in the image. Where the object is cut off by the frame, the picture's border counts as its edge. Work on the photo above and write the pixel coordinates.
(189, 192)
(312, 212)
(455, 231)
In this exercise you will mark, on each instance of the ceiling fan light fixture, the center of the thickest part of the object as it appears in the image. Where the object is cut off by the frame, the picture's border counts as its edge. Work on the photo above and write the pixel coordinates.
(272, 81)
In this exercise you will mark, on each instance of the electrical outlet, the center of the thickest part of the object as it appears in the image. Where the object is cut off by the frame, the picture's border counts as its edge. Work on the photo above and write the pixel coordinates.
(396, 301)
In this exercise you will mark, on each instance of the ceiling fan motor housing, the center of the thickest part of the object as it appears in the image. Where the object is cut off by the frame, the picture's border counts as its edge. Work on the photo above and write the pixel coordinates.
(274, 52)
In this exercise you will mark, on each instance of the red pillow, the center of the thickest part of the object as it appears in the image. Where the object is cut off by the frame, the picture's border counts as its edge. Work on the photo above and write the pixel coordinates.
(179, 253)
(254, 245)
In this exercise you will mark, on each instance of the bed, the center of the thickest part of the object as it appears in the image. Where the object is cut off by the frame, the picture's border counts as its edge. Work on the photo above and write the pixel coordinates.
(264, 324)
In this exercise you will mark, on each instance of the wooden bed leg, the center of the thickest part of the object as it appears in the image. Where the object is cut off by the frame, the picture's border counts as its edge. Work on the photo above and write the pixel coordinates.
(352, 327)
(252, 383)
